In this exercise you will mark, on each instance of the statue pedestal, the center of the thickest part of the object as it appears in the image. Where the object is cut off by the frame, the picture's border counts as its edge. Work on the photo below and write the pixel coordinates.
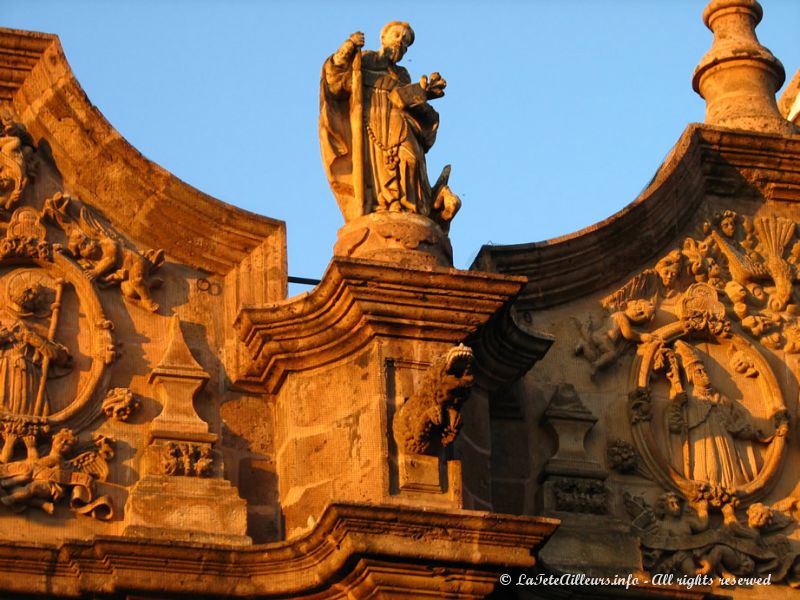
(339, 362)
(401, 238)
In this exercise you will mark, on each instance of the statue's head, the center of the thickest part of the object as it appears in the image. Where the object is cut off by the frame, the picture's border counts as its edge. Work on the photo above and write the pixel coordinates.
(669, 503)
(81, 245)
(640, 310)
(727, 223)
(669, 267)
(698, 375)
(759, 515)
(63, 440)
(26, 297)
(396, 37)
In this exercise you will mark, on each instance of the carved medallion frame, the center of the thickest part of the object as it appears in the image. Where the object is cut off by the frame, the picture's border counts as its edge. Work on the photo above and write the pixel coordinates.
(642, 415)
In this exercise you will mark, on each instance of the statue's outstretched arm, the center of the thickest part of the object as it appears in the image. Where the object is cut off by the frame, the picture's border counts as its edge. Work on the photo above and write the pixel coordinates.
(344, 55)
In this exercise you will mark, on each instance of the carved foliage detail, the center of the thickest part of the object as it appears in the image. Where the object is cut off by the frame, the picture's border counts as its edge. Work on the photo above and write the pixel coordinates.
(119, 404)
(622, 456)
(580, 495)
(193, 460)
(432, 415)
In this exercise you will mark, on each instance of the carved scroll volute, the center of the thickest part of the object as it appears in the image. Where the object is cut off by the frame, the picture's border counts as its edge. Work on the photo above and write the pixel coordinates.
(177, 380)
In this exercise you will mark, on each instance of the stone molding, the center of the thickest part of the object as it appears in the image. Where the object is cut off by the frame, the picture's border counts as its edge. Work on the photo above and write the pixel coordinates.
(355, 550)
(706, 161)
(359, 300)
(37, 82)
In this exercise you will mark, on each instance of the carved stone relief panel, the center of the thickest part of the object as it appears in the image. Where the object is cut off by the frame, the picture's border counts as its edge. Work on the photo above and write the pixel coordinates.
(57, 346)
(709, 421)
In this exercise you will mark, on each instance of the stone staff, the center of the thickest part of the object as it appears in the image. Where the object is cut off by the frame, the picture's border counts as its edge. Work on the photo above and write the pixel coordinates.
(41, 409)
(357, 131)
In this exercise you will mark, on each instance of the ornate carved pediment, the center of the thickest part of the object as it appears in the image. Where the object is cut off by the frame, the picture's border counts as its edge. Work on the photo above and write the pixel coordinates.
(709, 419)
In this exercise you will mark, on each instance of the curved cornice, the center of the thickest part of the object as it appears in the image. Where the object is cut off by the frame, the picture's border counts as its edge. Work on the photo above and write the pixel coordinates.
(97, 164)
(354, 550)
(358, 300)
(706, 161)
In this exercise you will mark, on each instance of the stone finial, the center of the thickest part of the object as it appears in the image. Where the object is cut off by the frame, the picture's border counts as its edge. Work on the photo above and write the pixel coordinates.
(738, 77)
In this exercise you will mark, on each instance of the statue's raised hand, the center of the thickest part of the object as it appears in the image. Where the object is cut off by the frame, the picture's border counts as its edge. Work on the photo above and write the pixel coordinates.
(433, 86)
(348, 49)
(357, 39)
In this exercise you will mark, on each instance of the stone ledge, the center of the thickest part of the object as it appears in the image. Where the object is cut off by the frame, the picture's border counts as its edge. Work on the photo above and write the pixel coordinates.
(359, 300)
(366, 550)
(706, 161)
(97, 164)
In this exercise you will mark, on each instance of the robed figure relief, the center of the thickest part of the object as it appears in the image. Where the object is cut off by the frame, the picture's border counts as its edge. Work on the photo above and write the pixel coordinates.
(29, 353)
(375, 128)
(716, 433)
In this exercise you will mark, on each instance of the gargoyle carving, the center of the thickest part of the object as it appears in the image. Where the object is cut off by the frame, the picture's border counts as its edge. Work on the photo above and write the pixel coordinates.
(104, 255)
(432, 414)
(41, 481)
(16, 150)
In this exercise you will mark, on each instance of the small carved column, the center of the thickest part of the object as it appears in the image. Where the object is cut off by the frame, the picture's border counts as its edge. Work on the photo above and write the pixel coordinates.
(574, 480)
(181, 494)
(574, 489)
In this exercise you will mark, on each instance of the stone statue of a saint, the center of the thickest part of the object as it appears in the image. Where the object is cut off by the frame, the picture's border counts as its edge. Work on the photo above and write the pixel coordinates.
(717, 432)
(27, 357)
(375, 127)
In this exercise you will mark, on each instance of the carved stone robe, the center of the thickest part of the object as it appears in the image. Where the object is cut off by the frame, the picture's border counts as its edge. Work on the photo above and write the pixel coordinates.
(20, 372)
(715, 455)
(399, 128)
(21, 368)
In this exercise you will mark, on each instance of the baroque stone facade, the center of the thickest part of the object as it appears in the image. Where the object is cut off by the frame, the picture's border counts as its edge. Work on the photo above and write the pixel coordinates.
(172, 424)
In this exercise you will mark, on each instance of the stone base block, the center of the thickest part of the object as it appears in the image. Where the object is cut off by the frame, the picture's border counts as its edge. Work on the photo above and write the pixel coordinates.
(188, 509)
(591, 544)
(430, 479)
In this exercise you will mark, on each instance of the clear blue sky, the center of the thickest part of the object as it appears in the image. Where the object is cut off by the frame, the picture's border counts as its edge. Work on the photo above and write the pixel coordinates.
(557, 113)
